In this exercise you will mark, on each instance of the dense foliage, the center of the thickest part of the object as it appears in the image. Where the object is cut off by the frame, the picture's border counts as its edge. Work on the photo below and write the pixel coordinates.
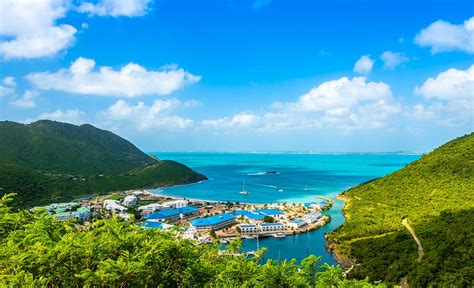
(49, 161)
(36, 250)
(436, 196)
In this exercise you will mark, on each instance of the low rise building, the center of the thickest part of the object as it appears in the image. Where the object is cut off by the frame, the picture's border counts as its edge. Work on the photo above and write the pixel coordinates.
(249, 229)
(254, 218)
(157, 225)
(173, 215)
(216, 222)
(113, 206)
(190, 233)
(272, 228)
(130, 200)
(176, 203)
(296, 223)
(312, 217)
(150, 208)
(82, 213)
(274, 213)
(316, 205)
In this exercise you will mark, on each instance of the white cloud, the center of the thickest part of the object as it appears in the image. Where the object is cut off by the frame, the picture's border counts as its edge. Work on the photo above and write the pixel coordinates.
(449, 85)
(451, 95)
(131, 80)
(158, 115)
(116, 8)
(73, 116)
(341, 93)
(364, 65)
(443, 36)
(26, 101)
(31, 30)
(393, 59)
(8, 86)
(343, 103)
(238, 120)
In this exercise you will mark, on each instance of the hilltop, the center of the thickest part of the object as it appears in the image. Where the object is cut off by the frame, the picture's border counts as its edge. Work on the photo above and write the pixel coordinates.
(49, 161)
(433, 197)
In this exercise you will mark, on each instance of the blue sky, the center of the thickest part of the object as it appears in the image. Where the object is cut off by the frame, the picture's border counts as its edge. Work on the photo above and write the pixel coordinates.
(244, 75)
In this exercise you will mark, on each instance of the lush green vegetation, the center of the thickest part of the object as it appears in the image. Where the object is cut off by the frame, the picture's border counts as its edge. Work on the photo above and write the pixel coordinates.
(436, 196)
(37, 250)
(48, 161)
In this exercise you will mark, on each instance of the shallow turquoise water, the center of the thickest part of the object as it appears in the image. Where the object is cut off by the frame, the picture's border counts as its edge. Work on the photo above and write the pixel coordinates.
(301, 176)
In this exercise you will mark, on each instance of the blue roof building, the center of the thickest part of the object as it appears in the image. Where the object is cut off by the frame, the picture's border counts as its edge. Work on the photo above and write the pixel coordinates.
(156, 225)
(249, 215)
(215, 222)
(174, 214)
(269, 212)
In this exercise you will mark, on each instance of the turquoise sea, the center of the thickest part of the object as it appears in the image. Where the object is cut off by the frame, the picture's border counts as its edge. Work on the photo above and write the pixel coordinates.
(298, 178)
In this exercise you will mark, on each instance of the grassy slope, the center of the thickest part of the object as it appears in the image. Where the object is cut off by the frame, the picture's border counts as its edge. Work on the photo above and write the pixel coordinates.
(436, 195)
(44, 162)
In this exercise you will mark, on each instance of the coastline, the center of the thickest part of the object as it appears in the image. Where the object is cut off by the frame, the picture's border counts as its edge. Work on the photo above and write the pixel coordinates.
(332, 246)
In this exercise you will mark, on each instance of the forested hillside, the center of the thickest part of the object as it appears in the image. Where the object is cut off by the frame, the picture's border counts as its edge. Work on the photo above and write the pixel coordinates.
(49, 161)
(435, 196)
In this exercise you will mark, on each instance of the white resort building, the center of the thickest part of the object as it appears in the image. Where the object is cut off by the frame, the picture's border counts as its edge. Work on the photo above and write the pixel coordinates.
(130, 200)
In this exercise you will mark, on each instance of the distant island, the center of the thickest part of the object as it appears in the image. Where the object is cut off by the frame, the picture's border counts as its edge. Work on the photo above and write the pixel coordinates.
(415, 225)
(47, 161)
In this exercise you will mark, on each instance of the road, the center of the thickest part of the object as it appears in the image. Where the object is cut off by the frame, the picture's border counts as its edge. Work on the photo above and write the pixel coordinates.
(421, 253)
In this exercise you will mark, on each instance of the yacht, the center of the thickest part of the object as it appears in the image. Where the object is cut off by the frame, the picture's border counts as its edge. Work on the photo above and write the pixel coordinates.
(244, 192)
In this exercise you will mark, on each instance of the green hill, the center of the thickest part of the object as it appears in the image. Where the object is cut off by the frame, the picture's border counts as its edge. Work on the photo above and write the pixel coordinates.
(435, 196)
(49, 161)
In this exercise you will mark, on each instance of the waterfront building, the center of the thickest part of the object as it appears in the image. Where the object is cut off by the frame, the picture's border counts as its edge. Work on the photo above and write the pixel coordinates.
(316, 205)
(173, 215)
(272, 228)
(312, 217)
(274, 213)
(249, 229)
(296, 223)
(113, 206)
(176, 203)
(130, 200)
(216, 222)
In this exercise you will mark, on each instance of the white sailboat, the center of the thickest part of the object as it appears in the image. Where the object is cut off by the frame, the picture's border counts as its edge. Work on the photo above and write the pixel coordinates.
(243, 189)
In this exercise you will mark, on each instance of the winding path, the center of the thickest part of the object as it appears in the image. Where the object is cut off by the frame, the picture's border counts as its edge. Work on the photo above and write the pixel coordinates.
(421, 253)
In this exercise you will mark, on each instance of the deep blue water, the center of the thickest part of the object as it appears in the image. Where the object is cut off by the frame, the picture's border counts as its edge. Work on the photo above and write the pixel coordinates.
(301, 176)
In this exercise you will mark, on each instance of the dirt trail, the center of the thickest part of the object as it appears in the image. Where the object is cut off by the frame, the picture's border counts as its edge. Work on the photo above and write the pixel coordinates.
(421, 253)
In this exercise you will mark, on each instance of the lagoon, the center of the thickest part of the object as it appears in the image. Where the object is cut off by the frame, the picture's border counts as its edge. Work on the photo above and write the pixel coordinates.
(299, 178)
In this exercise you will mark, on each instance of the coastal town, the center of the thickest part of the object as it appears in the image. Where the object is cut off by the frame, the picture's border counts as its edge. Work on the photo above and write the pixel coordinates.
(199, 220)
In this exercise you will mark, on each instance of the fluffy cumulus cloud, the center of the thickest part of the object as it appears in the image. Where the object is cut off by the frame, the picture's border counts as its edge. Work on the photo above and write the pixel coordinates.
(343, 103)
(73, 116)
(443, 36)
(28, 28)
(28, 100)
(364, 65)
(393, 59)
(451, 96)
(452, 84)
(116, 8)
(161, 114)
(131, 80)
(8, 86)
